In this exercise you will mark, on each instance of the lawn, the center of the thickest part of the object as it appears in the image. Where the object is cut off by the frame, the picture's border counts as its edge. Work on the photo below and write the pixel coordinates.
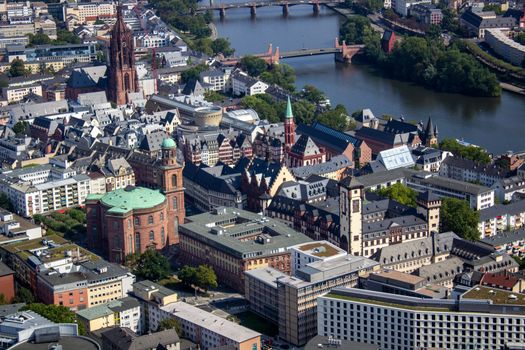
(251, 320)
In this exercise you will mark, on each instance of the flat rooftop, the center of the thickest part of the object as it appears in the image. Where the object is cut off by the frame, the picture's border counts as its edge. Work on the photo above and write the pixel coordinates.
(497, 296)
(79, 343)
(241, 233)
(321, 249)
(400, 276)
(210, 321)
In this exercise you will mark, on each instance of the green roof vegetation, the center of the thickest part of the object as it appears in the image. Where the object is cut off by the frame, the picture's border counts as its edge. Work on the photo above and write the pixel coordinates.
(498, 296)
(382, 303)
(130, 198)
(327, 250)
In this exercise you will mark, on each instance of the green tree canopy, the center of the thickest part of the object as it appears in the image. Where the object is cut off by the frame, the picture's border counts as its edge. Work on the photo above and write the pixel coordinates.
(222, 45)
(17, 68)
(38, 39)
(170, 323)
(356, 30)
(20, 127)
(202, 277)
(56, 313)
(312, 94)
(400, 193)
(254, 66)
(5, 202)
(152, 265)
(24, 295)
(280, 74)
(456, 215)
(336, 118)
(193, 73)
(265, 106)
(474, 153)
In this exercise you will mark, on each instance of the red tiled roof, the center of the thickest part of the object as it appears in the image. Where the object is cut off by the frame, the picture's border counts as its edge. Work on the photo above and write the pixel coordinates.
(502, 280)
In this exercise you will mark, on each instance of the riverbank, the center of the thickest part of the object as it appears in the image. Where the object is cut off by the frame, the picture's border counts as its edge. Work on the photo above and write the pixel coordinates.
(513, 88)
(214, 33)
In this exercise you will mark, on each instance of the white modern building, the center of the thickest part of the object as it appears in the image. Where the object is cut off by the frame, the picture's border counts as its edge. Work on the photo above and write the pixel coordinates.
(244, 85)
(305, 253)
(504, 46)
(481, 319)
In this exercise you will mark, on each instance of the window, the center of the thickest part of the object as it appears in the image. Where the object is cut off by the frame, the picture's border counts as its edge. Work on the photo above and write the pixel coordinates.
(150, 219)
(137, 242)
(162, 236)
(151, 235)
(161, 216)
(137, 222)
(174, 180)
(175, 204)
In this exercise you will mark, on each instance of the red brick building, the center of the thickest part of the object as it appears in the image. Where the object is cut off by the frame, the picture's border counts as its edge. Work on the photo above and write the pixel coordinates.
(7, 282)
(133, 219)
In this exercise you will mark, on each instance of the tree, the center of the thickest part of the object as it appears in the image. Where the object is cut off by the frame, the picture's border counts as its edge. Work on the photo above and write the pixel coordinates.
(336, 118)
(312, 94)
(20, 127)
(474, 153)
(24, 295)
(265, 106)
(202, 277)
(356, 29)
(206, 277)
(5, 202)
(193, 73)
(17, 68)
(64, 36)
(400, 193)
(280, 74)
(222, 45)
(56, 314)
(213, 96)
(254, 66)
(153, 266)
(39, 39)
(170, 323)
(456, 215)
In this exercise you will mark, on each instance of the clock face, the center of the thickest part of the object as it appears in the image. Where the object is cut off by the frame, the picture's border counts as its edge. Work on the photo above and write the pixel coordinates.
(124, 44)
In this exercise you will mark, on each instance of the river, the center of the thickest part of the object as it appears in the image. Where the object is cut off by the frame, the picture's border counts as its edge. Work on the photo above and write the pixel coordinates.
(497, 124)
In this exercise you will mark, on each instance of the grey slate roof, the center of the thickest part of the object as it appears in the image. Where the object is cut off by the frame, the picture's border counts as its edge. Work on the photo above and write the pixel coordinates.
(126, 339)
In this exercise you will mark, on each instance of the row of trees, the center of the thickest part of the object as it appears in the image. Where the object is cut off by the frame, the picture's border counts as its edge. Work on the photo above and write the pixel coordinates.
(424, 61)
(474, 153)
(64, 36)
(280, 74)
(455, 214)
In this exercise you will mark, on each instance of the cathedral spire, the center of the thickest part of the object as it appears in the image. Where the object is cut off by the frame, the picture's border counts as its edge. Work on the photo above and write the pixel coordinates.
(289, 113)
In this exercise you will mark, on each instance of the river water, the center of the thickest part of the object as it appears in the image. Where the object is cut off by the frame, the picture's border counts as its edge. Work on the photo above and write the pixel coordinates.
(497, 124)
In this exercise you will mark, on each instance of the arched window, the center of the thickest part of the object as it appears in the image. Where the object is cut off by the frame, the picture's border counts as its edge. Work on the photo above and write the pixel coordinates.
(174, 180)
(150, 219)
(137, 242)
(129, 223)
(161, 216)
(130, 244)
(126, 82)
(151, 235)
(175, 203)
(162, 236)
(137, 221)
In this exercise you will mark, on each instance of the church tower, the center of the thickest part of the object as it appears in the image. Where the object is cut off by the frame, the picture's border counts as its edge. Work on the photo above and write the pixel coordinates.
(351, 196)
(172, 187)
(430, 134)
(122, 77)
(289, 127)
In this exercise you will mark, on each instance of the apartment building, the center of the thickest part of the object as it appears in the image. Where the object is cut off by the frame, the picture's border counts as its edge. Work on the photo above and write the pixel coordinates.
(86, 285)
(18, 93)
(125, 312)
(480, 319)
(14, 228)
(501, 218)
(76, 14)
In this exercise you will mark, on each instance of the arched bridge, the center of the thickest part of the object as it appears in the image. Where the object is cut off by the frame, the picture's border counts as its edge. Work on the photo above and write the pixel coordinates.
(253, 5)
(342, 52)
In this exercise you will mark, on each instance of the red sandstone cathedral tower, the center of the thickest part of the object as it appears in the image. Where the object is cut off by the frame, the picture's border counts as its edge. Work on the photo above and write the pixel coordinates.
(289, 127)
(122, 77)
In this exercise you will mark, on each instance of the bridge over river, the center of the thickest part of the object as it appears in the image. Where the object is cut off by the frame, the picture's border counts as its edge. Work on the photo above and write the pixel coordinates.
(253, 5)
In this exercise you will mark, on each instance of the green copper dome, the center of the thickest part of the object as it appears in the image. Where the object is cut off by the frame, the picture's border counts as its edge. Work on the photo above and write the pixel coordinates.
(130, 198)
(168, 143)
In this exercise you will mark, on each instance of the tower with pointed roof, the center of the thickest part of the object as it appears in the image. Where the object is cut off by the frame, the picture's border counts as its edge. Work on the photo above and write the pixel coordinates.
(289, 126)
(430, 134)
(122, 76)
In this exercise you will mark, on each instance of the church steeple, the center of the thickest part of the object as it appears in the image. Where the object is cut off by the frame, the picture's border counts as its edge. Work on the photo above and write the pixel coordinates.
(122, 77)
(289, 126)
